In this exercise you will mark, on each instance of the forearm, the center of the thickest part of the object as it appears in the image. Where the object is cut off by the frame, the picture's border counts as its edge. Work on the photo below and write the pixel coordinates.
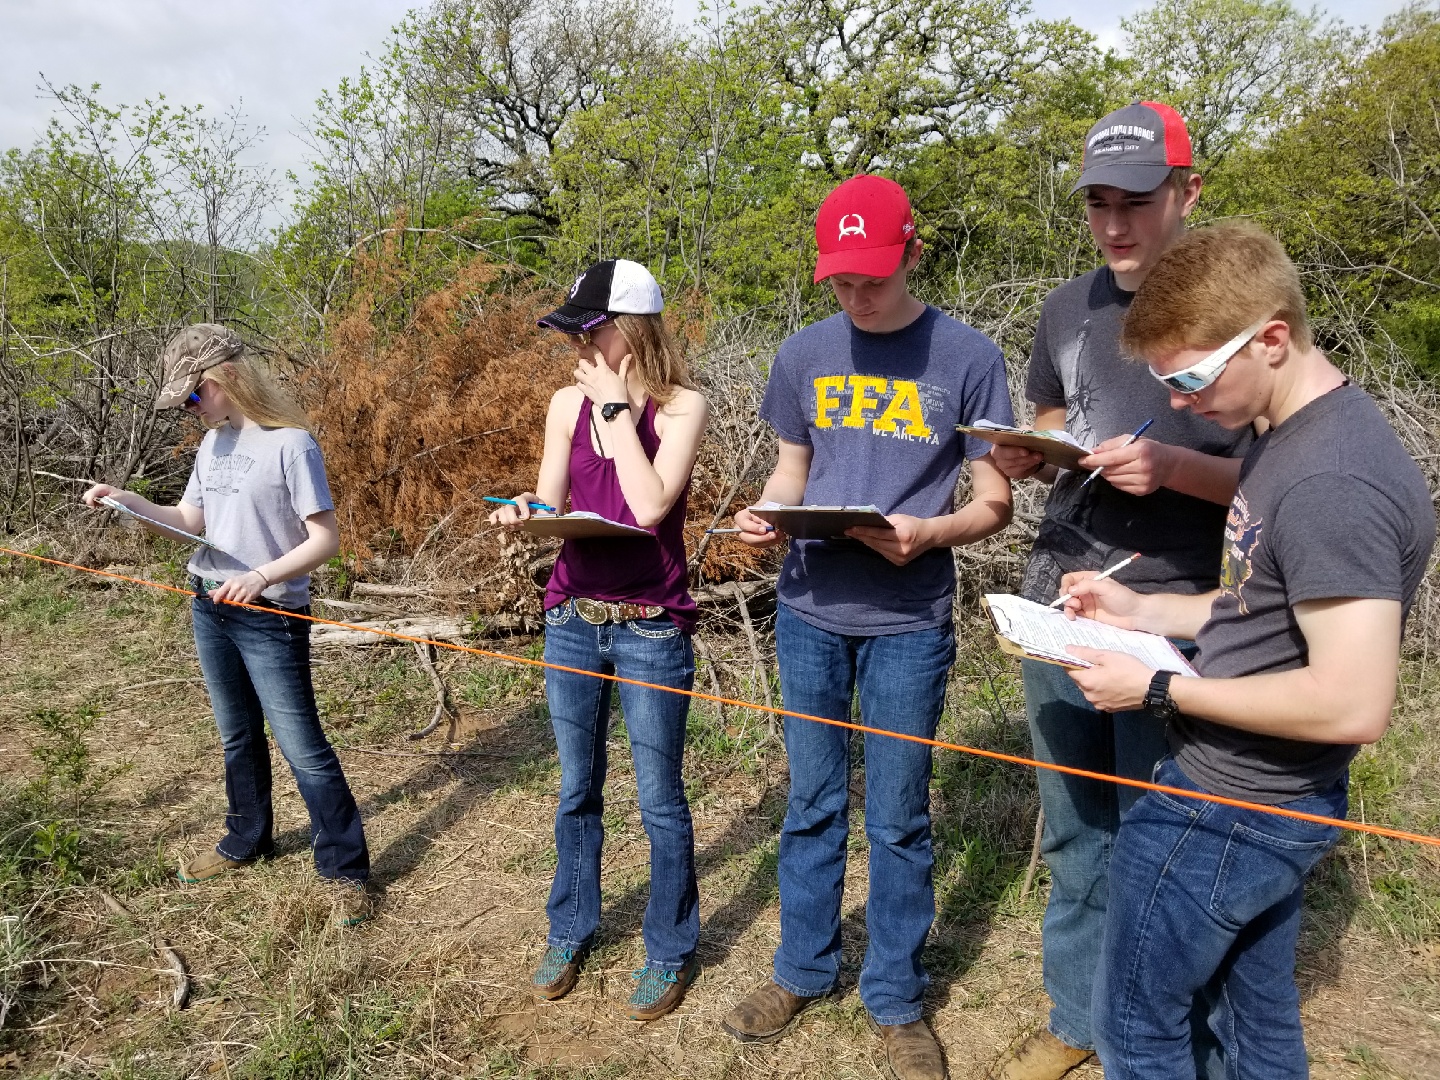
(973, 522)
(1204, 476)
(1298, 704)
(640, 483)
(784, 487)
(311, 553)
(1173, 615)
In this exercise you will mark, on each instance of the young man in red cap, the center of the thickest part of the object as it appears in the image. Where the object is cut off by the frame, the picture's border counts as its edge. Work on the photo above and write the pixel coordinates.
(1163, 496)
(865, 404)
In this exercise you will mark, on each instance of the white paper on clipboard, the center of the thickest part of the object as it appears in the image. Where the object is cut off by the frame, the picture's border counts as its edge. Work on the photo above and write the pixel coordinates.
(179, 534)
(1045, 633)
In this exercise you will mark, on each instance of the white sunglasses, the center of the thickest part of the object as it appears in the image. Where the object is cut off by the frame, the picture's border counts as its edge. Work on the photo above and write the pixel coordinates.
(1198, 376)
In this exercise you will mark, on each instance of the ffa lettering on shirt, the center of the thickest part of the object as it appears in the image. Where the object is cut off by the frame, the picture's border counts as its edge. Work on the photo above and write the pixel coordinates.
(890, 407)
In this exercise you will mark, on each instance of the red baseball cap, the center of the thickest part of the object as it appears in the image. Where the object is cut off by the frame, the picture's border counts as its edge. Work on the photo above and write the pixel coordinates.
(862, 228)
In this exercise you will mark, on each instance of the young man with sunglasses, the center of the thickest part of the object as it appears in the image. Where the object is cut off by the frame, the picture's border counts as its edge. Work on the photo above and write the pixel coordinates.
(1326, 543)
(865, 405)
(1163, 496)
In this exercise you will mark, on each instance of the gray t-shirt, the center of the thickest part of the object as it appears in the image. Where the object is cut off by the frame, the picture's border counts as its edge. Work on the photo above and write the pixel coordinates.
(1076, 363)
(879, 412)
(257, 486)
(1330, 506)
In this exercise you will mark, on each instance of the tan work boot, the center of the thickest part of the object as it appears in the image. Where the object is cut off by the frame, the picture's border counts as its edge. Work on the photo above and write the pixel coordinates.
(1040, 1057)
(911, 1050)
(766, 1013)
(209, 864)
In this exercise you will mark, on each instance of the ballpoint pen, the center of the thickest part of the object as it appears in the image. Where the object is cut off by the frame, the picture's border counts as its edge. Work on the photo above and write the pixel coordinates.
(512, 502)
(1103, 574)
(1138, 432)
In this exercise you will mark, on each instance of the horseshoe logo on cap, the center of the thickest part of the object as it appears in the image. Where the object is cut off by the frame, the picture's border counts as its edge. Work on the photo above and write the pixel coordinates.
(576, 287)
(857, 229)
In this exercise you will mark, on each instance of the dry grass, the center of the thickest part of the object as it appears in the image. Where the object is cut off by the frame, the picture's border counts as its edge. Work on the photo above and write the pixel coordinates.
(436, 986)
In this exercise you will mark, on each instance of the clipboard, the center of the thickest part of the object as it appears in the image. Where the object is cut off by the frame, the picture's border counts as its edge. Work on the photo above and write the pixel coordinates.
(819, 522)
(1034, 632)
(1056, 447)
(178, 534)
(578, 525)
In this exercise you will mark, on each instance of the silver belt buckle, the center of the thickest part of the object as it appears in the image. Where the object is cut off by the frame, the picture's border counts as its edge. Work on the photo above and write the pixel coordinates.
(594, 612)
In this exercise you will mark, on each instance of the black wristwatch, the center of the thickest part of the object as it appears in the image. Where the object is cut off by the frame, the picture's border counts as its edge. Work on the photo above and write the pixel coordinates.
(612, 409)
(1158, 702)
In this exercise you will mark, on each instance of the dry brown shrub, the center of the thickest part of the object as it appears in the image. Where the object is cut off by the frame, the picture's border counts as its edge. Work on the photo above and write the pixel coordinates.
(423, 413)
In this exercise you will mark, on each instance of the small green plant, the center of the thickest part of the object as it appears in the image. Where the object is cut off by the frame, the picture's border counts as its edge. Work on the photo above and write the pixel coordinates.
(68, 774)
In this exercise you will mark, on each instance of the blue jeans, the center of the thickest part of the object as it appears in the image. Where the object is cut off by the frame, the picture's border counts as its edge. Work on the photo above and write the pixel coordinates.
(1206, 895)
(901, 681)
(1081, 820)
(653, 651)
(257, 667)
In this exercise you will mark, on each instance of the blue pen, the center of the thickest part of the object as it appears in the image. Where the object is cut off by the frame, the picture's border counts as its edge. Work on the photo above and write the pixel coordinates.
(1138, 432)
(512, 502)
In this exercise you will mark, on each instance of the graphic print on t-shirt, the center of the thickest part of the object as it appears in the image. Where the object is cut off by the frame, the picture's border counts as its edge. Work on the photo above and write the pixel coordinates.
(221, 478)
(1241, 538)
(1082, 388)
(892, 407)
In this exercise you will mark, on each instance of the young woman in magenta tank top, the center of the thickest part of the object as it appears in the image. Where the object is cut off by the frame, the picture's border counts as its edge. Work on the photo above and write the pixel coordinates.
(620, 443)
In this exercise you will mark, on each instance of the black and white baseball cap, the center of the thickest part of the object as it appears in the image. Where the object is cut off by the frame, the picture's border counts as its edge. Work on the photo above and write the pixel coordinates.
(611, 287)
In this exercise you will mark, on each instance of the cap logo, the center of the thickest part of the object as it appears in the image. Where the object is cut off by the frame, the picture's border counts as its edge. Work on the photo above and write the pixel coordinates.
(1120, 131)
(576, 287)
(856, 228)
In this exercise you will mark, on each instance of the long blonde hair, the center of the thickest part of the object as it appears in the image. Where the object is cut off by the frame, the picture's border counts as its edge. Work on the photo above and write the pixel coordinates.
(659, 363)
(256, 394)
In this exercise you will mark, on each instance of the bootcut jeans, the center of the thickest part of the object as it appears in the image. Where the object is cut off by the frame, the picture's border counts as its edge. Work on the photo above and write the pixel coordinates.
(257, 667)
(1207, 897)
(901, 682)
(649, 650)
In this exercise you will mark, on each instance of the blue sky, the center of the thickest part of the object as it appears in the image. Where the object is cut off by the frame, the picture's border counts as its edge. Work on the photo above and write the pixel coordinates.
(275, 56)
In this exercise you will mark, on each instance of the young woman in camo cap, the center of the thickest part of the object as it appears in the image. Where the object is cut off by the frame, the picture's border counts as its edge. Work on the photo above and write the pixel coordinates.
(620, 442)
(258, 493)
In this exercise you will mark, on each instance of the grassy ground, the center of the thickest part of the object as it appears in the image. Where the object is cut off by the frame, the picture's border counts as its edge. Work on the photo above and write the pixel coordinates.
(110, 772)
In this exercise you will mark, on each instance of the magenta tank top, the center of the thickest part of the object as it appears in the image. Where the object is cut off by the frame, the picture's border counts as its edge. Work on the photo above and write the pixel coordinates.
(623, 569)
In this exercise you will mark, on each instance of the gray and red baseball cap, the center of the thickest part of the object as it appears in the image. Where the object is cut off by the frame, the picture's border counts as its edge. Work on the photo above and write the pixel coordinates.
(862, 228)
(1135, 148)
(607, 288)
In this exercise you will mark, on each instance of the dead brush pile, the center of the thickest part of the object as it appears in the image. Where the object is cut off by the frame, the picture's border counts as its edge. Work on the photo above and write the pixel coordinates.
(421, 415)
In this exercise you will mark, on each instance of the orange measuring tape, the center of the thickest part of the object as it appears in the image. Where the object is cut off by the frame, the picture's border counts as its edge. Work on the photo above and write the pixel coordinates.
(993, 755)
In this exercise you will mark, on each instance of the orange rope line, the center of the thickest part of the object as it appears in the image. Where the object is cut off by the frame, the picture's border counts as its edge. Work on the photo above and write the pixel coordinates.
(993, 755)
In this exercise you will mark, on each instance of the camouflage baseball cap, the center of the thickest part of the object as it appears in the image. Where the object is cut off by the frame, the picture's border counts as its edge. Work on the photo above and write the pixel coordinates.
(190, 353)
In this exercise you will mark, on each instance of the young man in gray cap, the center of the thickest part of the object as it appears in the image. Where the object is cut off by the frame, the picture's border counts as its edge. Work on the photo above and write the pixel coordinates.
(1163, 496)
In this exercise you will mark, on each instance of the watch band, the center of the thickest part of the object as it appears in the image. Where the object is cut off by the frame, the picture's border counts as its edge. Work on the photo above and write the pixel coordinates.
(612, 409)
(1158, 701)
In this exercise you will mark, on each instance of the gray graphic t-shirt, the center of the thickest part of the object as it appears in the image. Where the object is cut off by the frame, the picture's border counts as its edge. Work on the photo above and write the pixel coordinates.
(257, 486)
(879, 411)
(1076, 363)
(1330, 506)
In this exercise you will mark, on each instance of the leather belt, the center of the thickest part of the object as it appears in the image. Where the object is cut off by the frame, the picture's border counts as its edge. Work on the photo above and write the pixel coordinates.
(600, 612)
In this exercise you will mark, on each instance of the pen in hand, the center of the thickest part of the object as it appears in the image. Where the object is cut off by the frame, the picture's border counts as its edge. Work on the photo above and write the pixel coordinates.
(1060, 600)
(1138, 432)
(512, 502)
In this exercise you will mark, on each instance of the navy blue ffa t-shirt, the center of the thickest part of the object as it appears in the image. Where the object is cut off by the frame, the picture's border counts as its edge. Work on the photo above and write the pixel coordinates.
(879, 412)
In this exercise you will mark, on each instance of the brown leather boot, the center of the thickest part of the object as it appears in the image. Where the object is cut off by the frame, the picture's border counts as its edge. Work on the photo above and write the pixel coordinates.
(911, 1050)
(1040, 1057)
(766, 1013)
